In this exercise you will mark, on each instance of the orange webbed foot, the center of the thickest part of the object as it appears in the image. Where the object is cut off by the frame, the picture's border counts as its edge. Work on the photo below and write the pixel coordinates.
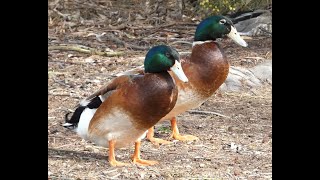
(157, 141)
(184, 137)
(136, 156)
(176, 135)
(143, 162)
(117, 163)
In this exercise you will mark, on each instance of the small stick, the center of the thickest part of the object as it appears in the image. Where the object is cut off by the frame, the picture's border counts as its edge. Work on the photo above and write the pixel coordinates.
(207, 113)
(84, 49)
(181, 42)
(58, 94)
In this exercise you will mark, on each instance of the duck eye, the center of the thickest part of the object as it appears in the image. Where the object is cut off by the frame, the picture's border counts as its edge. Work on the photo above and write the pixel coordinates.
(222, 21)
(167, 54)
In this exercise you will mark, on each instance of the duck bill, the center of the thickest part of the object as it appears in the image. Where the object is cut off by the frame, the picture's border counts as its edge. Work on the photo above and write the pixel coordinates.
(177, 70)
(235, 36)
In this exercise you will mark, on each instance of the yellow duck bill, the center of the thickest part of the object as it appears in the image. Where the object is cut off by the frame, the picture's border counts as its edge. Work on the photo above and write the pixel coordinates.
(177, 70)
(235, 36)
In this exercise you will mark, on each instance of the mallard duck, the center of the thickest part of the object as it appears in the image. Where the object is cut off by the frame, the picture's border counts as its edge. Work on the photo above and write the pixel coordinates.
(206, 68)
(121, 112)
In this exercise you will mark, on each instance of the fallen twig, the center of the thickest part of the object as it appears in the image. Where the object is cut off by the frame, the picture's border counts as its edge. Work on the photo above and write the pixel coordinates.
(169, 25)
(157, 28)
(165, 39)
(64, 16)
(118, 41)
(120, 27)
(68, 62)
(61, 82)
(58, 94)
(183, 42)
(84, 49)
(254, 58)
(207, 113)
(265, 31)
(184, 53)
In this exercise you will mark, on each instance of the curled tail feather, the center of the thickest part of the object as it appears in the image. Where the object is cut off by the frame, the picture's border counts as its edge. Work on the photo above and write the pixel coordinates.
(75, 118)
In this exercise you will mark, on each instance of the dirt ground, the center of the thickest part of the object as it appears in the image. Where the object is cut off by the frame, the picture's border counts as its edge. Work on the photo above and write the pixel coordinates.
(238, 146)
(229, 148)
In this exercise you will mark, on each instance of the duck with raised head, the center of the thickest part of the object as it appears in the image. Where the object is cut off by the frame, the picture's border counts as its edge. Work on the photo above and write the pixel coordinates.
(122, 111)
(207, 67)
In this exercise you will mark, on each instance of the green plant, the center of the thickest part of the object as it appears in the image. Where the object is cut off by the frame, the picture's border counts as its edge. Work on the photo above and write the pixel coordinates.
(164, 129)
(230, 6)
(220, 6)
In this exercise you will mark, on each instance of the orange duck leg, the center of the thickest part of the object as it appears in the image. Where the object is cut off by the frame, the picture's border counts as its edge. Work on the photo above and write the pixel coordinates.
(153, 140)
(136, 156)
(176, 135)
(112, 159)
